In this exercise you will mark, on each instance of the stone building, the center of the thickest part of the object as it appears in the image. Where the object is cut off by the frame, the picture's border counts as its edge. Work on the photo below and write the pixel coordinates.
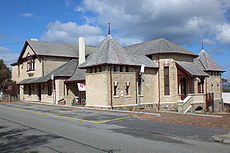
(173, 78)
(42, 68)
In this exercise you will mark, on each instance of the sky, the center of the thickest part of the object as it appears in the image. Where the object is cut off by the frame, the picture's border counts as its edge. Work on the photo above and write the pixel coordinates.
(184, 22)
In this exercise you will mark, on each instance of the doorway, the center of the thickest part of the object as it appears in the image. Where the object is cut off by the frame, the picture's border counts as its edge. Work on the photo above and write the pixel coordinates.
(183, 88)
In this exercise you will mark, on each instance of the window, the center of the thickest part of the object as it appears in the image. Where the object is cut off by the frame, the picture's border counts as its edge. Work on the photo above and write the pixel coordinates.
(126, 69)
(121, 68)
(166, 81)
(30, 63)
(29, 89)
(49, 88)
(114, 68)
(115, 89)
(127, 88)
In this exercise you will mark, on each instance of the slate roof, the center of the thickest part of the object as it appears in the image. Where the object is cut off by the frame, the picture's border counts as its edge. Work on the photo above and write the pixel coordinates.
(66, 70)
(27, 81)
(207, 62)
(78, 75)
(192, 68)
(43, 48)
(111, 52)
(157, 46)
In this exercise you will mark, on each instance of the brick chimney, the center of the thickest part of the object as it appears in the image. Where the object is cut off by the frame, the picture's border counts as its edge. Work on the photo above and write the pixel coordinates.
(81, 58)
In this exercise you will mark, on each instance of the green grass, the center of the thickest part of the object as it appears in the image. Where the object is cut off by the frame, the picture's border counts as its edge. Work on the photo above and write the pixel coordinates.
(226, 90)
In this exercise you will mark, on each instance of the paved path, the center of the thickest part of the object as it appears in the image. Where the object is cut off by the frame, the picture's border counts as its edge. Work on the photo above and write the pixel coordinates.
(46, 129)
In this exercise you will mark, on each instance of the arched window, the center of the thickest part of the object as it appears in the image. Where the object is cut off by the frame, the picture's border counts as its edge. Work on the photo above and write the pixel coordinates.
(30, 63)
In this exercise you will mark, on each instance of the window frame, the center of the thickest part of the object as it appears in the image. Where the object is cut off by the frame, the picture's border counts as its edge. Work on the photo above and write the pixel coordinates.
(166, 81)
(30, 63)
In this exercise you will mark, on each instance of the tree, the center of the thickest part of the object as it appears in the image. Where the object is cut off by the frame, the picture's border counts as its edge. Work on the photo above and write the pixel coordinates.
(5, 74)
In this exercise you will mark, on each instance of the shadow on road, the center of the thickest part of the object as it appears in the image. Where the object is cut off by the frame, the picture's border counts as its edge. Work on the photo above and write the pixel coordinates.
(18, 140)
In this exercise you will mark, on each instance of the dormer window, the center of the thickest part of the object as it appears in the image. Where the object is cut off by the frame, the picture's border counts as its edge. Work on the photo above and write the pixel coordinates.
(30, 63)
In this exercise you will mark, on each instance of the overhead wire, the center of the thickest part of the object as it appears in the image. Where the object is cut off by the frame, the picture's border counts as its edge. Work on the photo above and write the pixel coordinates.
(5, 44)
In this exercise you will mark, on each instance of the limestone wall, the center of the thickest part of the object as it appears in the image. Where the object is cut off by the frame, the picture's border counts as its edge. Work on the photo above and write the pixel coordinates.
(51, 63)
(122, 79)
(213, 84)
(97, 89)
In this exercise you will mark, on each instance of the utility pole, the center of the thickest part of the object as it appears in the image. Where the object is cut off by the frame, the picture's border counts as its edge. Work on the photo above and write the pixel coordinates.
(140, 90)
(53, 86)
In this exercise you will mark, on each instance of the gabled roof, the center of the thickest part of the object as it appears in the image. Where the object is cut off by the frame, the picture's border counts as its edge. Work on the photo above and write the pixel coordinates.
(191, 68)
(42, 48)
(111, 52)
(207, 62)
(157, 46)
(66, 70)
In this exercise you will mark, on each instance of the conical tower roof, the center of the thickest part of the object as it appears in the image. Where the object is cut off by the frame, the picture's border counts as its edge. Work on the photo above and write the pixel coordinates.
(207, 62)
(110, 52)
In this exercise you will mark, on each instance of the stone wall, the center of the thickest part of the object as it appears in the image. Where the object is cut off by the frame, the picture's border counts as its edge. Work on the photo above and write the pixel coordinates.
(51, 63)
(98, 90)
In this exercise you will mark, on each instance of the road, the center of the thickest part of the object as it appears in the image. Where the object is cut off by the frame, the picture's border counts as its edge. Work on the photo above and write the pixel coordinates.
(44, 129)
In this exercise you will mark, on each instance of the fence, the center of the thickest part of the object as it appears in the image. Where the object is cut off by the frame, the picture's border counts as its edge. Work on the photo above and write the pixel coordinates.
(9, 98)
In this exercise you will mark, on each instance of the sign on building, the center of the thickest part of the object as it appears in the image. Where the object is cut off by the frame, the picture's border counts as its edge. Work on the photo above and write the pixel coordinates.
(81, 86)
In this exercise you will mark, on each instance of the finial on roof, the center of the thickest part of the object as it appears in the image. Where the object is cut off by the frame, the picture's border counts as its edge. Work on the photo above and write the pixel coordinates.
(109, 29)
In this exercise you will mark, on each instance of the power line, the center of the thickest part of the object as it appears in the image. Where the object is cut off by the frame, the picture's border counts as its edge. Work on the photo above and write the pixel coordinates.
(11, 43)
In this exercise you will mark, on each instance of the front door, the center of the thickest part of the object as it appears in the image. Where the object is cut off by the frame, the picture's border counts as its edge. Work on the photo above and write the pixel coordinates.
(183, 88)
(39, 92)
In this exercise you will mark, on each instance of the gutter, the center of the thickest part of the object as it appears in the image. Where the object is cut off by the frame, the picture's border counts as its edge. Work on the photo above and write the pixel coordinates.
(159, 96)
(111, 88)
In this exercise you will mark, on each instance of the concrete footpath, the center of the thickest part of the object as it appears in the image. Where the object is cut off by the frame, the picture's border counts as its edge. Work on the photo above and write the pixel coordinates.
(222, 138)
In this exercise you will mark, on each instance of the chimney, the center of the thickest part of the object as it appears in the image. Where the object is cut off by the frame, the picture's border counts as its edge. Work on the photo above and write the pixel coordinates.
(81, 56)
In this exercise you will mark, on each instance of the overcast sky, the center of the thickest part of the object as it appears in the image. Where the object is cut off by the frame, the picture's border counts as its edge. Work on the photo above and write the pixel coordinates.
(184, 22)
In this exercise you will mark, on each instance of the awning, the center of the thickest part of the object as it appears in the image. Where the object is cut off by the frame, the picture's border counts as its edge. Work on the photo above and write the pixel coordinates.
(191, 69)
(28, 81)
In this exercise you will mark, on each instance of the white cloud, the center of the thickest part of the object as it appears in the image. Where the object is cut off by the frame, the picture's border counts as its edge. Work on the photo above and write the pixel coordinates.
(68, 2)
(8, 56)
(178, 20)
(70, 31)
(223, 34)
(27, 15)
(124, 41)
(208, 41)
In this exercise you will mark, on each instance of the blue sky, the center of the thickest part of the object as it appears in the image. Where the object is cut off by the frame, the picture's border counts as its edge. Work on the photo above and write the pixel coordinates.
(185, 23)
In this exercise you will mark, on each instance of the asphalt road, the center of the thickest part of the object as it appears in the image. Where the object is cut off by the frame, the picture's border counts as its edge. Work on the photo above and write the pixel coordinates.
(44, 129)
